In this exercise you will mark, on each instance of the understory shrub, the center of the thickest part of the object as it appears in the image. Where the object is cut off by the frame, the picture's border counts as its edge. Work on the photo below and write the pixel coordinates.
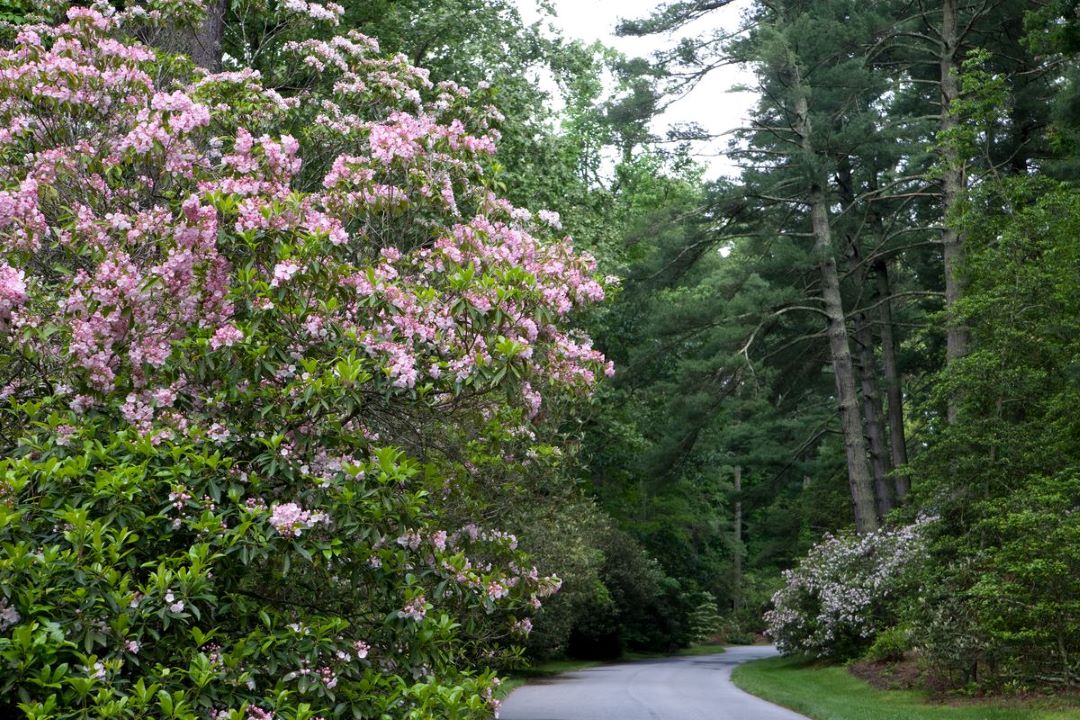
(846, 590)
(748, 620)
(890, 645)
(251, 341)
(1002, 604)
(1006, 611)
(706, 623)
(632, 606)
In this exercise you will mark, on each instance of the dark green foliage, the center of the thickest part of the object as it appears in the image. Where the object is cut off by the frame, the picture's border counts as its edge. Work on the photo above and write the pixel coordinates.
(890, 645)
(1028, 592)
(16, 11)
(639, 608)
(687, 406)
(1004, 476)
(722, 359)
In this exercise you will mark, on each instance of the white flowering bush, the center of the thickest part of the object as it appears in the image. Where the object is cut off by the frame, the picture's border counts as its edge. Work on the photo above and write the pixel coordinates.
(845, 591)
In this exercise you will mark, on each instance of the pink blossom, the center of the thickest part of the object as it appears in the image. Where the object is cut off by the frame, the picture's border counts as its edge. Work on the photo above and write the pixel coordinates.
(64, 433)
(12, 289)
(415, 609)
(290, 520)
(550, 218)
(497, 590)
(137, 412)
(438, 539)
(330, 12)
(532, 399)
(8, 615)
(81, 403)
(163, 397)
(218, 433)
(225, 336)
(284, 272)
(410, 540)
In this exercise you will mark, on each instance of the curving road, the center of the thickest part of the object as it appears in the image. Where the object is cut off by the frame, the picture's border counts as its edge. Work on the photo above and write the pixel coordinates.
(688, 688)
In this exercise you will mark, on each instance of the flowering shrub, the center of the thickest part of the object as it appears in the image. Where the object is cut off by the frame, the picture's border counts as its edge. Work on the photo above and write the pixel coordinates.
(222, 309)
(845, 591)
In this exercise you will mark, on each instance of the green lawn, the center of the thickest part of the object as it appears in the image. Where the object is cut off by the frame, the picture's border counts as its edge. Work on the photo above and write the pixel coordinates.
(831, 693)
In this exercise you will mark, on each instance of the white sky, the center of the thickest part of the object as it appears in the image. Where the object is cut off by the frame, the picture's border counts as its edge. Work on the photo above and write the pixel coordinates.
(712, 104)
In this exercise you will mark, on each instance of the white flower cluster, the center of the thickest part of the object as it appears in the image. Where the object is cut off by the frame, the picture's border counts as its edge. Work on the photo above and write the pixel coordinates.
(330, 12)
(838, 597)
(8, 615)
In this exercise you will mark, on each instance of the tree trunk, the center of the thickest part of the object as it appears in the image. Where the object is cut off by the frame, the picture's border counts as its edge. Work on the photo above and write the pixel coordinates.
(859, 478)
(872, 414)
(893, 394)
(953, 186)
(203, 43)
(866, 362)
(205, 46)
(736, 585)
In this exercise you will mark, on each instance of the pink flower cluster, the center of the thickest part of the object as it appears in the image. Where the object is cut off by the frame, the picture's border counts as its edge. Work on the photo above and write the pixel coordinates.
(164, 277)
(8, 615)
(328, 12)
(290, 520)
(415, 609)
(226, 336)
(12, 290)
(284, 272)
(21, 219)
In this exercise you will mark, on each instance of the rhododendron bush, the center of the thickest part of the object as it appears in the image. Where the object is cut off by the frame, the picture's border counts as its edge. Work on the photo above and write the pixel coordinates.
(847, 590)
(248, 340)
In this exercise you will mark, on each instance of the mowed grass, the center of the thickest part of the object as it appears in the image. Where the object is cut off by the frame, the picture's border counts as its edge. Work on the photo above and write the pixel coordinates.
(831, 693)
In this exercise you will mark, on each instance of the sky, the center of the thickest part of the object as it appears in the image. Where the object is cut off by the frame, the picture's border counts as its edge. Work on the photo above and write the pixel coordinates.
(712, 104)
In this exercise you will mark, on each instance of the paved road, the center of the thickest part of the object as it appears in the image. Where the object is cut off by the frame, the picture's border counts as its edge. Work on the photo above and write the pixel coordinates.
(690, 688)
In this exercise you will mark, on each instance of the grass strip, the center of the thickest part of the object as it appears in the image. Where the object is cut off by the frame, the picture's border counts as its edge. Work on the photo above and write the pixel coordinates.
(830, 692)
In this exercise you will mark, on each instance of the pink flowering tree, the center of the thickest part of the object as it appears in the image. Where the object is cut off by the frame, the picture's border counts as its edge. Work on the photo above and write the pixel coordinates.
(250, 342)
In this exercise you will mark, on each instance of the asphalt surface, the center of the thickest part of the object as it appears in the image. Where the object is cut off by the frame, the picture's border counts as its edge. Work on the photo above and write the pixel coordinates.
(685, 688)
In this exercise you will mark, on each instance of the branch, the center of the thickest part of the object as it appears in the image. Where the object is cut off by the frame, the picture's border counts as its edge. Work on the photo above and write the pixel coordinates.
(669, 17)
(745, 349)
(910, 293)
